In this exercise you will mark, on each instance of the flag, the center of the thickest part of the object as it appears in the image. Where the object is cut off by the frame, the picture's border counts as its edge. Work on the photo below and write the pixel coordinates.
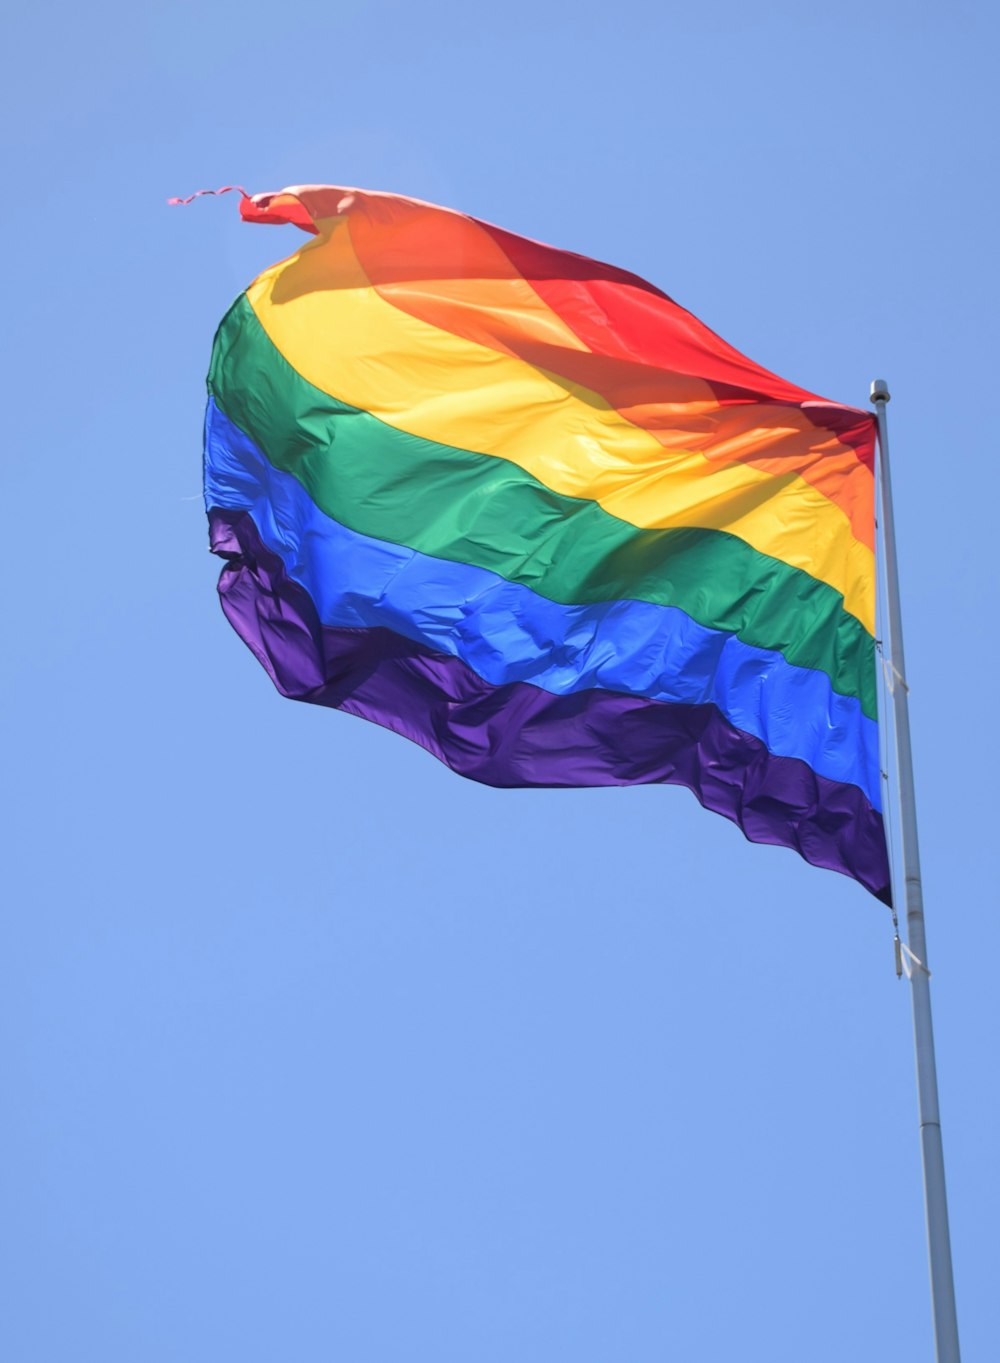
(524, 509)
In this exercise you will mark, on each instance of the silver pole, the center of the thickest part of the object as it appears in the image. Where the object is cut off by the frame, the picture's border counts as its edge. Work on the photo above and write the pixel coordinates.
(935, 1197)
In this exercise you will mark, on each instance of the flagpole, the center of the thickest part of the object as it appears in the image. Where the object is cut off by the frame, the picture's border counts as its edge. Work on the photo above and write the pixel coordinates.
(935, 1197)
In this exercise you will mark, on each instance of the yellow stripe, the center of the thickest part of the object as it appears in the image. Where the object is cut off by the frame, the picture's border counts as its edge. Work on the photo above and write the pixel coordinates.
(323, 315)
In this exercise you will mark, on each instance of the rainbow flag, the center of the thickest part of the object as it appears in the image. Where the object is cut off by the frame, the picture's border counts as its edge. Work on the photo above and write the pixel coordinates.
(525, 510)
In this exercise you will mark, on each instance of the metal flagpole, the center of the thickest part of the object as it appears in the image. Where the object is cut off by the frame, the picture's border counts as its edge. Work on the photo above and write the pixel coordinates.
(935, 1197)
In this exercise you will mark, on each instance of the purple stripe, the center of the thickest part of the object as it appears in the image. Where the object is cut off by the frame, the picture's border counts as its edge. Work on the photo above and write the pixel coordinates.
(520, 735)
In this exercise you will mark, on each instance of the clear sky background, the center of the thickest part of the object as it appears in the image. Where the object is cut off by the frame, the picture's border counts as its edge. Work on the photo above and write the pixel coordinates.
(313, 1052)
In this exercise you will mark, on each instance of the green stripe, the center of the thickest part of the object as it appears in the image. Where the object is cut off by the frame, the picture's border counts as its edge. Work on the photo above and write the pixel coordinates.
(479, 509)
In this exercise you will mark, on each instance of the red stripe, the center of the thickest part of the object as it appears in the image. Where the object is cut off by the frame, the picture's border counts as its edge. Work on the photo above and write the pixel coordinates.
(617, 313)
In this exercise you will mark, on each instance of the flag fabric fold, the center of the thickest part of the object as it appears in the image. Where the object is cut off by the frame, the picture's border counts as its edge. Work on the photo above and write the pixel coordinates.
(524, 509)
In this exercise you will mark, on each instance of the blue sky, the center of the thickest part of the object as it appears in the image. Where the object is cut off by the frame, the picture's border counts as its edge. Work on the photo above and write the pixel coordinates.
(312, 1051)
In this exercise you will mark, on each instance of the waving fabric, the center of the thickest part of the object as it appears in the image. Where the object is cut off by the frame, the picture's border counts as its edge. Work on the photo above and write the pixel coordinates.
(524, 509)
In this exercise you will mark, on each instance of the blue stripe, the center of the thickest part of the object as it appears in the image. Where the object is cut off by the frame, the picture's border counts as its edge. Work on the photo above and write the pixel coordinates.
(508, 633)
